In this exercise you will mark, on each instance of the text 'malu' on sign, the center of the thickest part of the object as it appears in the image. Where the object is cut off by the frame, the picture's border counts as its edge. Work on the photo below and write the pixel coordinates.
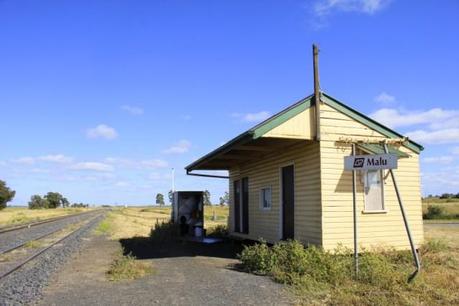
(371, 162)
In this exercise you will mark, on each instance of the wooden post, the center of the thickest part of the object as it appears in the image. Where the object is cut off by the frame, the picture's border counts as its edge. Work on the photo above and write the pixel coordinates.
(315, 54)
(354, 214)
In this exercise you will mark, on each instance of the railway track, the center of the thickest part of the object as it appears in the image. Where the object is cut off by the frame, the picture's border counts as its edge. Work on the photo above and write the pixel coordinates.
(14, 245)
(24, 271)
(16, 266)
(14, 238)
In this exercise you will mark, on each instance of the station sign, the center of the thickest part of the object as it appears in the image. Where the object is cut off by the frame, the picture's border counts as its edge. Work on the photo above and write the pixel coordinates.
(371, 162)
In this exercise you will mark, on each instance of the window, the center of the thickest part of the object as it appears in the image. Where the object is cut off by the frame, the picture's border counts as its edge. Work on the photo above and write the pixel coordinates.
(265, 198)
(374, 191)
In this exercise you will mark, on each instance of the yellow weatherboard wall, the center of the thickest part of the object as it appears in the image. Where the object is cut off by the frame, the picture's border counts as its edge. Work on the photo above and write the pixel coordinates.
(264, 173)
(382, 229)
(298, 127)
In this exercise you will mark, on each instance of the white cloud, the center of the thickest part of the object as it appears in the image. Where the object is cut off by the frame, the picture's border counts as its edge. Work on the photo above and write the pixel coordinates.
(102, 131)
(92, 166)
(154, 163)
(25, 160)
(252, 117)
(39, 170)
(435, 117)
(456, 150)
(438, 159)
(136, 164)
(384, 98)
(435, 137)
(133, 110)
(122, 184)
(326, 7)
(156, 176)
(57, 158)
(180, 147)
(441, 180)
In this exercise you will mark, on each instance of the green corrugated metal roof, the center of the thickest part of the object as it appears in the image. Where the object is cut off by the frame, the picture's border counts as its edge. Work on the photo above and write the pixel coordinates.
(379, 149)
(276, 120)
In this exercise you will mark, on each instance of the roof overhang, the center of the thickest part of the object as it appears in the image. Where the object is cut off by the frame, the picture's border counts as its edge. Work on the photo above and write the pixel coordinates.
(374, 148)
(240, 151)
(261, 139)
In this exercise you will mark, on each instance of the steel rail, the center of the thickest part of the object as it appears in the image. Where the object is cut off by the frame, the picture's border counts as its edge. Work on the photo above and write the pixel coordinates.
(35, 255)
(36, 238)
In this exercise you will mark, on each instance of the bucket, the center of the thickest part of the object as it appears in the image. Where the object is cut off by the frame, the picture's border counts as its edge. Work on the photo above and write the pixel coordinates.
(198, 231)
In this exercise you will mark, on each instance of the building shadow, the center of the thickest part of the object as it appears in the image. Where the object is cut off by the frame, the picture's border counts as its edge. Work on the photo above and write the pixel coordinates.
(146, 248)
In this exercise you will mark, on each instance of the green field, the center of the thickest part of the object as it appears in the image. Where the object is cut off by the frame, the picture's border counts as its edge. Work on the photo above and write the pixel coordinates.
(449, 208)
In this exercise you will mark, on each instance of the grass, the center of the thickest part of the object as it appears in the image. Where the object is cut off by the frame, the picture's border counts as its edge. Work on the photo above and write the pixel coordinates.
(320, 277)
(33, 244)
(127, 267)
(19, 215)
(440, 209)
(123, 223)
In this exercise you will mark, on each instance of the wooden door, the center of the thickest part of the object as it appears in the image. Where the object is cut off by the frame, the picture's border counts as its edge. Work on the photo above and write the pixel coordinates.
(245, 206)
(237, 206)
(288, 203)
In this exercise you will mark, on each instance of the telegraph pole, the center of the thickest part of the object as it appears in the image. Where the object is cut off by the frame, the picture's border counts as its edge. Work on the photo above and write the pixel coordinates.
(315, 55)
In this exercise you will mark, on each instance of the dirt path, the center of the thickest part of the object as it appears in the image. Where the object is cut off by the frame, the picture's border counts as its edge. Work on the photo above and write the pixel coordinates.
(182, 277)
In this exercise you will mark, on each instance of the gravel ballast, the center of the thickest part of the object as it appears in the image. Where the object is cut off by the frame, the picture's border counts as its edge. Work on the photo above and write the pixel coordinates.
(25, 285)
(18, 237)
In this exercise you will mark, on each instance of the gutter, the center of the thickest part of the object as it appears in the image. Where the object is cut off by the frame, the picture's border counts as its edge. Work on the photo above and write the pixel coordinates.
(188, 172)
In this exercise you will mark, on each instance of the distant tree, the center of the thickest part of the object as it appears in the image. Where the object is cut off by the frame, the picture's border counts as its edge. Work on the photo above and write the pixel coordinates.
(54, 199)
(207, 198)
(160, 199)
(6, 194)
(37, 202)
(79, 205)
(171, 196)
(65, 202)
(224, 200)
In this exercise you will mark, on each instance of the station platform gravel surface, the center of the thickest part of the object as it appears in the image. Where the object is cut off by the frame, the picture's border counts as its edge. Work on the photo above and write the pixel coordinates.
(182, 276)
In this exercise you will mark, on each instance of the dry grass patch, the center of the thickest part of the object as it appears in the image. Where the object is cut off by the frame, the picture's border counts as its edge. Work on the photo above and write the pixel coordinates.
(16, 216)
(320, 277)
(128, 268)
(33, 244)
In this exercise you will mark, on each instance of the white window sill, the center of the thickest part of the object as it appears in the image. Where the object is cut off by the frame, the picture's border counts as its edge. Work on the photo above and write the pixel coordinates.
(373, 212)
(265, 209)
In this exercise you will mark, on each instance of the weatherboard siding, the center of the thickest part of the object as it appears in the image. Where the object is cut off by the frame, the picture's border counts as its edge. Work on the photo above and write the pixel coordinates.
(265, 224)
(384, 229)
(297, 127)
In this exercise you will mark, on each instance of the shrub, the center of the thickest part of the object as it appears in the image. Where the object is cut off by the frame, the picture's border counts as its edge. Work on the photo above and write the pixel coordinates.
(219, 231)
(257, 258)
(164, 231)
(434, 212)
(434, 246)
(323, 277)
(128, 268)
(377, 269)
(6, 194)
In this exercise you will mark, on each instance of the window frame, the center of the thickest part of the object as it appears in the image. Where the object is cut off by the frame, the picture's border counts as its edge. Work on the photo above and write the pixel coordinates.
(366, 209)
(261, 204)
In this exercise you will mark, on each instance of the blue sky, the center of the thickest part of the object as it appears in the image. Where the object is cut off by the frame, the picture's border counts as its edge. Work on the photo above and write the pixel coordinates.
(100, 99)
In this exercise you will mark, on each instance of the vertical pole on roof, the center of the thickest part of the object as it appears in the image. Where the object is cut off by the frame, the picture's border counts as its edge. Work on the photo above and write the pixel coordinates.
(405, 220)
(173, 179)
(354, 211)
(315, 55)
